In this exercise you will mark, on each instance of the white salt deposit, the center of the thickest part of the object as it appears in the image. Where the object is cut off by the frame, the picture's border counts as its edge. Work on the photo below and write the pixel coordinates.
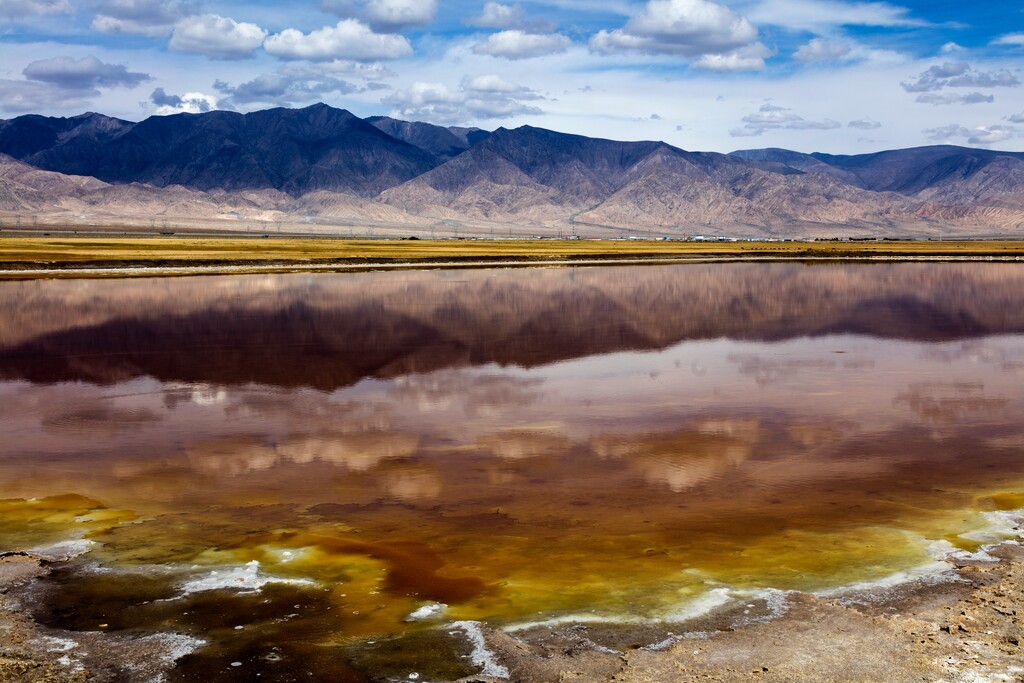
(710, 601)
(429, 610)
(64, 550)
(481, 656)
(245, 579)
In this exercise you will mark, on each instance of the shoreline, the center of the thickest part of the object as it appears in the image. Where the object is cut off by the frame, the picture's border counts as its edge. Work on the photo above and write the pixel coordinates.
(128, 269)
(963, 624)
(105, 257)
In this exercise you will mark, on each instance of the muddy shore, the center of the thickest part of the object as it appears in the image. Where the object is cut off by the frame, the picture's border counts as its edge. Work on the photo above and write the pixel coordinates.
(964, 625)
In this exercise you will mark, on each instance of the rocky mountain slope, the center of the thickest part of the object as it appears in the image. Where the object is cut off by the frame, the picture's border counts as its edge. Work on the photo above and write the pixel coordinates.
(330, 167)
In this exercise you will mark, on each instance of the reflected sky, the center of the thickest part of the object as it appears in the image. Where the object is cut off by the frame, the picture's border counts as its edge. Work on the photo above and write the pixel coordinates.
(516, 445)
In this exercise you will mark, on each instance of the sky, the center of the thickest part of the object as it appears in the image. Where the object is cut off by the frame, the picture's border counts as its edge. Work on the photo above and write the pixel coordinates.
(809, 75)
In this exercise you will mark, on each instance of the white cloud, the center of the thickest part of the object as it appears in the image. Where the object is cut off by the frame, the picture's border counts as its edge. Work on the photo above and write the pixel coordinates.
(864, 124)
(1015, 39)
(748, 58)
(385, 16)
(821, 49)
(497, 15)
(64, 84)
(496, 84)
(819, 16)
(370, 71)
(959, 75)
(189, 103)
(689, 28)
(483, 97)
(350, 39)
(154, 18)
(516, 44)
(393, 15)
(982, 135)
(17, 9)
(217, 37)
(21, 97)
(951, 48)
(1016, 118)
(773, 117)
(951, 98)
(88, 72)
(287, 87)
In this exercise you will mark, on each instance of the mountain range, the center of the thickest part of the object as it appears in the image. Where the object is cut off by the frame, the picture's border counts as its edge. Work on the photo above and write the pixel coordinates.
(323, 168)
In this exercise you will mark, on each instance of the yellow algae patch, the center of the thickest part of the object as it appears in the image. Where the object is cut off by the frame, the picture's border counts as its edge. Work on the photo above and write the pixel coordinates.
(805, 560)
(1001, 501)
(28, 523)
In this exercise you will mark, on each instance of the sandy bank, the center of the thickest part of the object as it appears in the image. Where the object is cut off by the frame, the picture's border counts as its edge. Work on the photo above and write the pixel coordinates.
(964, 626)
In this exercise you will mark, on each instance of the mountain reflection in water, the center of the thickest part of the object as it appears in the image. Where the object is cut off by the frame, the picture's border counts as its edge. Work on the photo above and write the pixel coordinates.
(515, 445)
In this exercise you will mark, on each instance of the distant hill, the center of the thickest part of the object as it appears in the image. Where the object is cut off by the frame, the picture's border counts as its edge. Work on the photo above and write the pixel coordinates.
(322, 162)
(292, 150)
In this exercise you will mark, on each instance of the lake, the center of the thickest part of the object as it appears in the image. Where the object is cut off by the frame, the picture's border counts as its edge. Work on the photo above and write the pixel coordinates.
(338, 474)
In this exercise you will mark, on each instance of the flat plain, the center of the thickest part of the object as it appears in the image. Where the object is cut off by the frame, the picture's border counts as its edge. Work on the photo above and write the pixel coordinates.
(150, 255)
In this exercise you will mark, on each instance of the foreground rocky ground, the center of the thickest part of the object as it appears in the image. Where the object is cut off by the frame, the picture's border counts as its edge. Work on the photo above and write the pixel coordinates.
(966, 628)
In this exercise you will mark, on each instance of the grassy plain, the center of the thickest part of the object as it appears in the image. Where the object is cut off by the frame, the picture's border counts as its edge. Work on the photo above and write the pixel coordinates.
(59, 253)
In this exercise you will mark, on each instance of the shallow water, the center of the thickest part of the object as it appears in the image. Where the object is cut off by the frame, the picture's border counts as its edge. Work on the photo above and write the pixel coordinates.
(344, 465)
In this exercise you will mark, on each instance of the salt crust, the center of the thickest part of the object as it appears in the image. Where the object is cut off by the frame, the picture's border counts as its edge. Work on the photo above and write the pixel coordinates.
(481, 655)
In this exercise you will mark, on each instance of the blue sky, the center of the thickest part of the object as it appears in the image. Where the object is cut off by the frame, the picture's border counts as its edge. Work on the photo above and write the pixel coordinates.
(810, 75)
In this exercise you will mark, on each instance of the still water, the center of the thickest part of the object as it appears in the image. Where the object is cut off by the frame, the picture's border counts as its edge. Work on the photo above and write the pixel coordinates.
(324, 473)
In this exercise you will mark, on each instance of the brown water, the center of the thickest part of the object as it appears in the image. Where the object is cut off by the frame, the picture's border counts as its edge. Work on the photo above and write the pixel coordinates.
(316, 458)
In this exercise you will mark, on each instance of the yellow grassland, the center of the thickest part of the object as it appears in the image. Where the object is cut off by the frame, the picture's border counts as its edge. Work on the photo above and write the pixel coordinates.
(177, 251)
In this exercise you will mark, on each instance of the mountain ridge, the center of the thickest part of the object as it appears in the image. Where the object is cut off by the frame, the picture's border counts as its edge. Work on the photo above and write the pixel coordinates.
(328, 164)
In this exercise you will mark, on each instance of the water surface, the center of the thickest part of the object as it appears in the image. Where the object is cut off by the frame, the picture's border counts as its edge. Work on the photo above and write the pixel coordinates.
(342, 464)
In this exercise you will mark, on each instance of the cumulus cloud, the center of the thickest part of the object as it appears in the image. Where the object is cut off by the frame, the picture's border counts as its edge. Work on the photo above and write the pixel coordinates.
(285, 88)
(982, 135)
(497, 15)
(217, 37)
(714, 36)
(366, 70)
(864, 124)
(18, 9)
(952, 98)
(160, 98)
(86, 73)
(154, 18)
(482, 97)
(351, 39)
(394, 15)
(1016, 118)
(951, 48)
(387, 16)
(821, 49)
(1013, 39)
(501, 16)
(189, 103)
(63, 83)
(517, 44)
(772, 117)
(688, 28)
(19, 97)
(748, 58)
(959, 75)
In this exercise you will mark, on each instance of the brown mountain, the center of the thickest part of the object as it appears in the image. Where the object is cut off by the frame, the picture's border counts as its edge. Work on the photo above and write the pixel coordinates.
(326, 169)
